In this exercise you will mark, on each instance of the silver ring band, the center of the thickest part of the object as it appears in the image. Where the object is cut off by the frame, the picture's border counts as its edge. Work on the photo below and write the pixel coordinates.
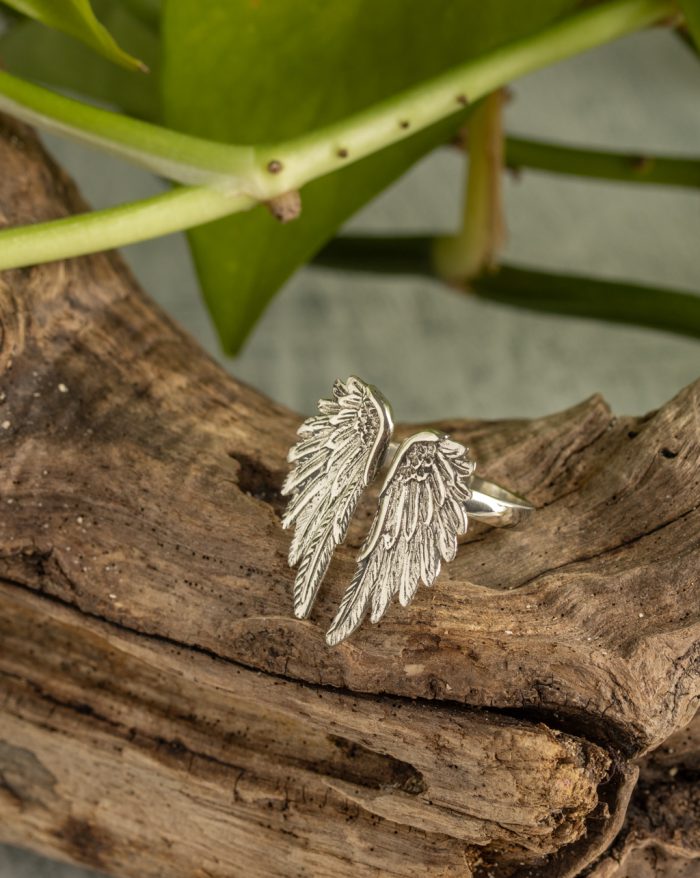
(489, 502)
(428, 495)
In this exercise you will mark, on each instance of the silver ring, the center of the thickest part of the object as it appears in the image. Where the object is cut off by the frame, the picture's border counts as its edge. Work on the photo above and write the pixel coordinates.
(488, 502)
(428, 496)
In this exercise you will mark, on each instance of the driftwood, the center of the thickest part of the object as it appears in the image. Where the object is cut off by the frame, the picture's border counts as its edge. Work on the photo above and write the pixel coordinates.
(661, 834)
(163, 713)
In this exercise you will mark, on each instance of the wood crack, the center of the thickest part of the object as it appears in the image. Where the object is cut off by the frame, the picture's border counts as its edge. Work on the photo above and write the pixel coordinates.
(601, 735)
(477, 725)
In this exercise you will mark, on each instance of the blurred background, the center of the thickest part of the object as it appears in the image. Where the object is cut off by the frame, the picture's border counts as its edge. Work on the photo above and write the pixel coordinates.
(436, 353)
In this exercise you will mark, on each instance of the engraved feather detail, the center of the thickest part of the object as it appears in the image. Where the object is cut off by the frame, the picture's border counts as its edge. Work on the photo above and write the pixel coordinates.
(421, 513)
(338, 454)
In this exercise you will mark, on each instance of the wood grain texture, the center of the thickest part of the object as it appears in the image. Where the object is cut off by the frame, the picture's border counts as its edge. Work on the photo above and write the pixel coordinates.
(661, 833)
(288, 778)
(163, 711)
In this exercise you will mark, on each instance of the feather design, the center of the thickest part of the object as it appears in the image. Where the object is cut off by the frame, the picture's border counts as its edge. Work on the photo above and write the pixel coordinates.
(338, 454)
(421, 513)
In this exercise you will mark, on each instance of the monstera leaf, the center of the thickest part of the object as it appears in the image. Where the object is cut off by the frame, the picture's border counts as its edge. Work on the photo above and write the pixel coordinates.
(257, 72)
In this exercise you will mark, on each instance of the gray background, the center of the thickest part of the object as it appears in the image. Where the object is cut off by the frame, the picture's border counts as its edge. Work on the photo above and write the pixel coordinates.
(436, 353)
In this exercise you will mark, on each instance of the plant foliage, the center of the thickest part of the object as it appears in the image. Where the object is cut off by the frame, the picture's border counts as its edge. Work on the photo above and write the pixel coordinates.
(229, 80)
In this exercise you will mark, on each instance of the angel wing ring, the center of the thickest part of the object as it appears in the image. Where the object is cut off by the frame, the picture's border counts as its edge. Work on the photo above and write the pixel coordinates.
(429, 493)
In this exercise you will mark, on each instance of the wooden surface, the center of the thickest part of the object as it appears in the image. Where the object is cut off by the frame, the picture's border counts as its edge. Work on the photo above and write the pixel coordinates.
(163, 713)
(661, 833)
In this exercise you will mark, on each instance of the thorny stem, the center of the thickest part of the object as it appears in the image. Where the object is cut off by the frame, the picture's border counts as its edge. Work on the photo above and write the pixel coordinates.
(245, 175)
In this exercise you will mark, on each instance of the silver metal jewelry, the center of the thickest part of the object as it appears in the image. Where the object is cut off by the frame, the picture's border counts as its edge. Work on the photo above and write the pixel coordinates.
(338, 454)
(429, 493)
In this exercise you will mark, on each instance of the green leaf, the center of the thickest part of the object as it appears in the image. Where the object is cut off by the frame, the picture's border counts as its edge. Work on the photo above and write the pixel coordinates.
(691, 11)
(147, 11)
(36, 52)
(77, 19)
(263, 72)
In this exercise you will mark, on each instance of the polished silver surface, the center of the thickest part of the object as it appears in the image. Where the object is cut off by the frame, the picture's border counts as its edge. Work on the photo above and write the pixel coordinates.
(338, 454)
(422, 511)
(488, 502)
(429, 493)
(495, 505)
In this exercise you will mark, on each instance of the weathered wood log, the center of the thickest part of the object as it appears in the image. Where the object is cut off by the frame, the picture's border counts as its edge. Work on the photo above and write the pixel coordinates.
(163, 713)
(661, 834)
(286, 778)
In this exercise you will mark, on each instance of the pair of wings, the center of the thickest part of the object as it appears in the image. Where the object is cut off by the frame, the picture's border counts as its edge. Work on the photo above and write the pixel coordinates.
(421, 506)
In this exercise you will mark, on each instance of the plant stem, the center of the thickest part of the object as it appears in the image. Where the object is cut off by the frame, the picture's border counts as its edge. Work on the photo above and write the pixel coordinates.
(172, 211)
(195, 160)
(675, 311)
(559, 159)
(475, 247)
(326, 150)
(615, 301)
(265, 172)
(179, 157)
(379, 254)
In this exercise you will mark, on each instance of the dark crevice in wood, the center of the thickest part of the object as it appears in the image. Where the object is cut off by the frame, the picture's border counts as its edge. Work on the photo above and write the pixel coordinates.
(603, 733)
(84, 842)
(660, 837)
(491, 722)
(355, 764)
(256, 480)
(375, 770)
(602, 826)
